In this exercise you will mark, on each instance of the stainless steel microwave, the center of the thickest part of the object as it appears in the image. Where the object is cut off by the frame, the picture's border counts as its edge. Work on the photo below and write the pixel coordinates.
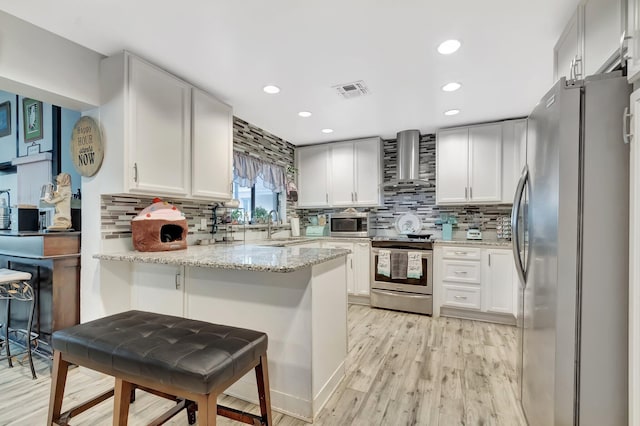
(349, 225)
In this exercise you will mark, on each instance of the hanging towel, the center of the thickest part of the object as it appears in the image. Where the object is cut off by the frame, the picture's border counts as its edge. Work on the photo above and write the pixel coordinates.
(384, 263)
(399, 265)
(414, 264)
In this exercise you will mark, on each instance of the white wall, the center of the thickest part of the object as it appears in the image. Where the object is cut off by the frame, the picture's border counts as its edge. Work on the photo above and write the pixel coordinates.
(68, 119)
(45, 66)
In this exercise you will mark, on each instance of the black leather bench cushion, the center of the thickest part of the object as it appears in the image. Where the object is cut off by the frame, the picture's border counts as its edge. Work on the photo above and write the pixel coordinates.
(193, 355)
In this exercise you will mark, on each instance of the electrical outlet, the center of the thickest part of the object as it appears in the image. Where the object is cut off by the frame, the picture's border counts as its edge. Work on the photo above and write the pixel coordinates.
(203, 224)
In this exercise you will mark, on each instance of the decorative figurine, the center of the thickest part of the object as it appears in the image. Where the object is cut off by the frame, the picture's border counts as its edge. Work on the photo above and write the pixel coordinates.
(61, 198)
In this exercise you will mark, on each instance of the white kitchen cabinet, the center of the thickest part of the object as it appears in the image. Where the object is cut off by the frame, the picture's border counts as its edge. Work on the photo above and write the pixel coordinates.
(514, 155)
(159, 130)
(362, 273)
(340, 174)
(633, 46)
(355, 173)
(367, 173)
(469, 165)
(350, 266)
(590, 42)
(358, 266)
(312, 163)
(158, 288)
(498, 281)
(211, 147)
(475, 283)
(150, 112)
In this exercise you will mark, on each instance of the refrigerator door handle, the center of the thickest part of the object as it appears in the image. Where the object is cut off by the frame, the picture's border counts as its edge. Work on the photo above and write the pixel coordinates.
(515, 212)
(626, 119)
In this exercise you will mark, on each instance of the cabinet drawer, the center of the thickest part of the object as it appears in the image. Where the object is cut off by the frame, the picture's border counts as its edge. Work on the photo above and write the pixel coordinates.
(461, 253)
(458, 271)
(461, 297)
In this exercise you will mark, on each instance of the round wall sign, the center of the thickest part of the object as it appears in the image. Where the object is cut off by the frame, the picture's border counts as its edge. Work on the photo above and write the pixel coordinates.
(86, 146)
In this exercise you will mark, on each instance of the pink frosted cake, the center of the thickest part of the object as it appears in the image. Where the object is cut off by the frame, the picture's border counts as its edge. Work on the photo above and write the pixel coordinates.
(159, 227)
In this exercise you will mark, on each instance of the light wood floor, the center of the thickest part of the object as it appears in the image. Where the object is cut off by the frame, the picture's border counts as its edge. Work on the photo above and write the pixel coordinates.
(403, 369)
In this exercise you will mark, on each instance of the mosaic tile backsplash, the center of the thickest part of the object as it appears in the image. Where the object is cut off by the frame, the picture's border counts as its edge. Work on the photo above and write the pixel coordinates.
(118, 210)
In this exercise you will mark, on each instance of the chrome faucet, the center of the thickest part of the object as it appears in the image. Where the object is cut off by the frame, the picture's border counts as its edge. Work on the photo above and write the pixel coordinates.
(269, 216)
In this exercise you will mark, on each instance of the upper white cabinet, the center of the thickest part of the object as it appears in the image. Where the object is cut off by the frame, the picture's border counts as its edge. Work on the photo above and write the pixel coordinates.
(514, 156)
(159, 130)
(160, 142)
(355, 173)
(211, 148)
(633, 46)
(340, 174)
(312, 163)
(590, 43)
(469, 165)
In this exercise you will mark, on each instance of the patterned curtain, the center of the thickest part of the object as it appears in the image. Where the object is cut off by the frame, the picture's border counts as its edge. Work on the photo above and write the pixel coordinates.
(246, 170)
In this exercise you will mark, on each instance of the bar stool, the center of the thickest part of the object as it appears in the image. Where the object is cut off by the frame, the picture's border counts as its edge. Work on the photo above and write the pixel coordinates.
(14, 287)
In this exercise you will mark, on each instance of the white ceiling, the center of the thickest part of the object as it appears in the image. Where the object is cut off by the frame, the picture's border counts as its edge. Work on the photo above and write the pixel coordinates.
(232, 48)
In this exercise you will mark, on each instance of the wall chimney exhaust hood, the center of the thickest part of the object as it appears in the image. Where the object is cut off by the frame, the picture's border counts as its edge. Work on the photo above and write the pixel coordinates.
(408, 162)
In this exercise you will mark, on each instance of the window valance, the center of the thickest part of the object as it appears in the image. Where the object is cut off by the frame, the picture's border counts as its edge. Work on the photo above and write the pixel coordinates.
(246, 170)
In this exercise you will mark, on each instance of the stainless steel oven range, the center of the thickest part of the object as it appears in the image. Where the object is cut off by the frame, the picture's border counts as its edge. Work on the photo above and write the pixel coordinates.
(397, 291)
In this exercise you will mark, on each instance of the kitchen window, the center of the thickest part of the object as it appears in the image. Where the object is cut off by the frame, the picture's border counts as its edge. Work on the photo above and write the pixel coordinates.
(257, 184)
(257, 200)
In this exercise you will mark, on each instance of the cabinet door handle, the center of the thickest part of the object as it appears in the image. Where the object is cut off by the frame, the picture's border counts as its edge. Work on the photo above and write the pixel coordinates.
(135, 172)
(356, 196)
(352, 196)
(460, 297)
(466, 191)
(178, 281)
(460, 272)
(577, 68)
(351, 263)
(326, 198)
(489, 259)
(626, 119)
(470, 193)
(460, 252)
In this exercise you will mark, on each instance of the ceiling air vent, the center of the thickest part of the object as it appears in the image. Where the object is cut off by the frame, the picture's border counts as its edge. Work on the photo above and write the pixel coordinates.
(352, 90)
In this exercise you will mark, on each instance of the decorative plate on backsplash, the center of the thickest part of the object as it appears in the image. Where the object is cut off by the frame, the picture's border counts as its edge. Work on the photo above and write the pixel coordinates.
(408, 224)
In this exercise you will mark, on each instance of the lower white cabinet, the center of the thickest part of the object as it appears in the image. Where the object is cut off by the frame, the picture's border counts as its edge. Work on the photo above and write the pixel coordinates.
(158, 288)
(473, 282)
(358, 265)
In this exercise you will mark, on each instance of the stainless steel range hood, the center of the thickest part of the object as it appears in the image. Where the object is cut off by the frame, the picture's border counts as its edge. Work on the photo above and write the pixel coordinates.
(408, 162)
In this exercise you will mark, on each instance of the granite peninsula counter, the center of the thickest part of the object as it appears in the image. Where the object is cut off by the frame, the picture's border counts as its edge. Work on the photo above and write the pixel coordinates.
(297, 295)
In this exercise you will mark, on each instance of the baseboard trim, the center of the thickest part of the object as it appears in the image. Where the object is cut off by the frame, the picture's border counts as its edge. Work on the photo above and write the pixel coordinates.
(478, 316)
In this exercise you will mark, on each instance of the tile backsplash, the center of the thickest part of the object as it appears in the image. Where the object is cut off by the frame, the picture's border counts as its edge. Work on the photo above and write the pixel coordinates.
(421, 201)
(118, 210)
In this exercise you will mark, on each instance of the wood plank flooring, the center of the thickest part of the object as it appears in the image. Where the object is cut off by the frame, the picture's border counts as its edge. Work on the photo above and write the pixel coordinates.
(402, 369)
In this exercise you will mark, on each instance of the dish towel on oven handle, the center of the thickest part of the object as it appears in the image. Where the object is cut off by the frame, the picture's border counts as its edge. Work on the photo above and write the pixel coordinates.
(414, 264)
(384, 263)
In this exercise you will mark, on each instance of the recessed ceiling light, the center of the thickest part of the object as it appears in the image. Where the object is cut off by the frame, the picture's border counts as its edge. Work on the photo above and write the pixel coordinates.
(451, 87)
(304, 114)
(452, 112)
(327, 130)
(448, 47)
(272, 90)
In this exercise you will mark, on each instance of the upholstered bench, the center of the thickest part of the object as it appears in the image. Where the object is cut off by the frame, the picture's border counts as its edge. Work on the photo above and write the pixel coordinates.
(182, 359)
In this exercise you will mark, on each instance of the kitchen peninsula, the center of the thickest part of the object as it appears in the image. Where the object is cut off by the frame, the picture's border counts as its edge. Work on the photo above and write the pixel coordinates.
(297, 295)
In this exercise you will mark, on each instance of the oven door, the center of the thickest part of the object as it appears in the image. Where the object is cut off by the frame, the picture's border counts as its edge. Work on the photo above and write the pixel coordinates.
(422, 285)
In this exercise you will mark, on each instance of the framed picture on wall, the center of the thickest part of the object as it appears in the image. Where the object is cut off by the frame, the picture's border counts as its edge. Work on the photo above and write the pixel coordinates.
(5, 119)
(32, 119)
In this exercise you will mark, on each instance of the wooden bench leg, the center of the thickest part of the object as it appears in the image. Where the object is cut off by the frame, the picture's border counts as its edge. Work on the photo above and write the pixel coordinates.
(122, 399)
(262, 377)
(207, 409)
(58, 382)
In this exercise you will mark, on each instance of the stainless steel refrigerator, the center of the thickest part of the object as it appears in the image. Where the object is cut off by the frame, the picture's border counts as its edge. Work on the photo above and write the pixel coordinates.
(570, 233)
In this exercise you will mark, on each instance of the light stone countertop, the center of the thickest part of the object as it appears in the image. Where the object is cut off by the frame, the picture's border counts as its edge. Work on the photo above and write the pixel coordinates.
(248, 257)
(479, 243)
